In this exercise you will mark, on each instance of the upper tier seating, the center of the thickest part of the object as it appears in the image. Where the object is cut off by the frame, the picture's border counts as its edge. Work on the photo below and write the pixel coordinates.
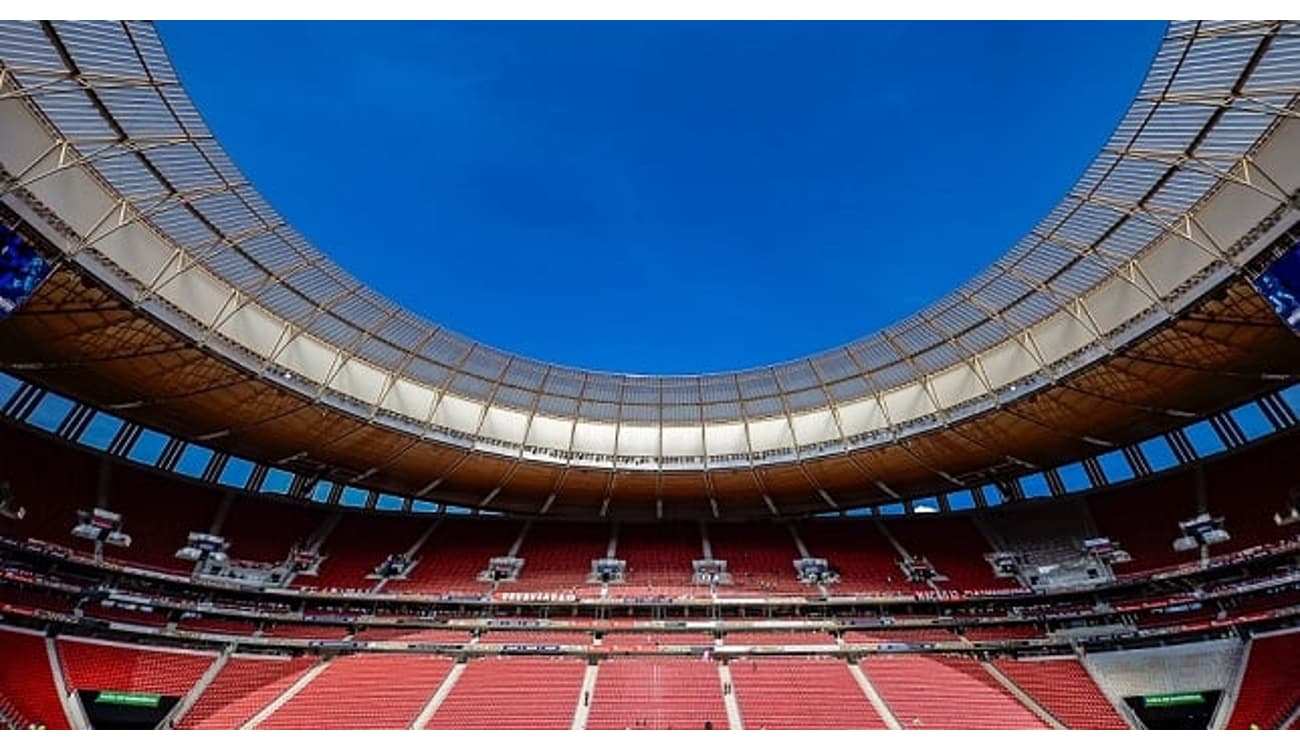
(98, 665)
(954, 546)
(866, 561)
(33, 599)
(1144, 518)
(925, 692)
(1247, 497)
(1048, 539)
(244, 686)
(454, 555)
(1064, 689)
(26, 679)
(488, 694)
(760, 556)
(358, 545)
(250, 519)
(1270, 690)
(657, 693)
(51, 482)
(557, 556)
(364, 691)
(828, 695)
(660, 554)
(158, 513)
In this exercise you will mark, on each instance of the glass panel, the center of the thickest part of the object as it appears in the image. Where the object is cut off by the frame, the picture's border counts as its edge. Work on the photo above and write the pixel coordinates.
(1035, 485)
(1075, 478)
(236, 473)
(277, 480)
(101, 431)
(194, 459)
(50, 412)
(1115, 467)
(148, 448)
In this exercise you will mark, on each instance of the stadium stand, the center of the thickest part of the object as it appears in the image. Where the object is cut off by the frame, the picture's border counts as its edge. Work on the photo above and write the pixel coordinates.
(760, 556)
(245, 685)
(926, 692)
(54, 483)
(901, 635)
(1270, 689)
(657, 693)
(407, 635)
(157, 528)
(1144, 518)
(451, 559)
(381, 691)
(777, 638)
(27, 682)
(557, 557)
(248, 521)
(358, 545)
(1064, 689)
(553, 637)
(99, 665)
(630, 640)
(488, 696)
(828, 695)
(954, 546)
(659, 556)
(866, 561)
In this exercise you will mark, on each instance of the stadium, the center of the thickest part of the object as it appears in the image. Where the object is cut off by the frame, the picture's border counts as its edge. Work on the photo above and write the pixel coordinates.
(242, 490)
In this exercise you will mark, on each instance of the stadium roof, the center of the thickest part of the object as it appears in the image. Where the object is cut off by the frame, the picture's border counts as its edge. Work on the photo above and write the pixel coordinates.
(103, 143)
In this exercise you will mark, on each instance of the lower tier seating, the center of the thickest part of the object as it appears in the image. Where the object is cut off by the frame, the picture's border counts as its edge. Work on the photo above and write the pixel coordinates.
(791, 693)
(244, 686)
(488, 694)
(1064, 689)
(657, 694)
(945, 693)
(26, 679)
(97, 665)
(365, 691)
(1270, 689)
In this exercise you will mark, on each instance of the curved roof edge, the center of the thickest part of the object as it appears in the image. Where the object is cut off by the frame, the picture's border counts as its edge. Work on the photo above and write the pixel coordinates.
(99, 129)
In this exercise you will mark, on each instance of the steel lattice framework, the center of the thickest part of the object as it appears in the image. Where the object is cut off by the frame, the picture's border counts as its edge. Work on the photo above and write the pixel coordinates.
(101, 140)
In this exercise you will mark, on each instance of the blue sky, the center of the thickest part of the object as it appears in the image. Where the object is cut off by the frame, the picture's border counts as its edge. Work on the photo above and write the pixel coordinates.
(663, 197)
